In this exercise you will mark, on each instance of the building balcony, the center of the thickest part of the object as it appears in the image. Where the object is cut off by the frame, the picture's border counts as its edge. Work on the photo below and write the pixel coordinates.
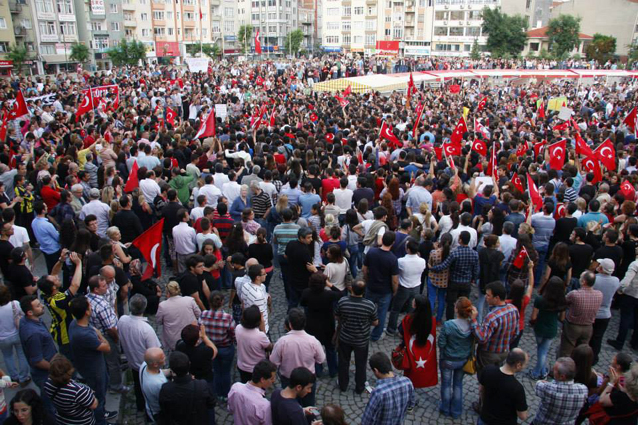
(189, 24)
(409, 23)
(128, 6)
(20, 31)
(158, 6)
(371, 2)
(159, 23)
(102, 32)
(130, 22)
(15, 7)
(188, 7)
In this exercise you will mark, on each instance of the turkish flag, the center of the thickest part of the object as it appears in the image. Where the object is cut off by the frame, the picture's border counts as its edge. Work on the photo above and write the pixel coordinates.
(628, 190)
(518, 184)
(592, 165)
(561, 211)
(439, 152)
(3, 128)
(347, 91)
(330, 137)
(481, 104)
(538, 146)
(520, 258)
(132, 183)
(256, 121)
(557, 154)
(606, 154)
(259, 81)
(522, 149)
(386, 133)
(85, 106)
(451, 149)
(210, 68)
(479, 128)
(257, 43)
(491, 167)
(313, 117)
(534, 195)
(459, 131)
(170, 116)
(272, 118)
(561, 127)
(207, 128)
(150, 245)
(455, 88)
(480, 147)
(419, 114)
(630, 119)
(541, 110)
(342, 101)
(411, 87)
(19, 107)
(582, 148)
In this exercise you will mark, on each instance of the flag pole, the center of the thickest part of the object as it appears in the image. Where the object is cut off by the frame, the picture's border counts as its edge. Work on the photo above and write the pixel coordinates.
(201, 35)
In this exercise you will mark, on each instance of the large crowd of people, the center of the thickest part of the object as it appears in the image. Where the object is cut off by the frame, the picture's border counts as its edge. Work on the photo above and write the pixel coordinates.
(450, 236)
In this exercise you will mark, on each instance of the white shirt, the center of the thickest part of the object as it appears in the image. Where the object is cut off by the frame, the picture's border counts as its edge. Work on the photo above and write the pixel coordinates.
(185, 239)
(219, 179)
(352, 182)
(212, 192)
(150, 189)
(201, 238)
(252, 294)
(508, 243)
(456, 232)
(151, 385)
(136, 336)
(231, 191)
(445, 224)
(270, 189)
(410, 269)
(197, 212)
(101, 211)
(343, 199)
(366, 224)
(20, 237)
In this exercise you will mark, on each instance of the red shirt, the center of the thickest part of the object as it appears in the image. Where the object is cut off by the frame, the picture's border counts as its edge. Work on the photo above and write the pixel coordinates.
(328, 185)
(50, 196)
(88, 141)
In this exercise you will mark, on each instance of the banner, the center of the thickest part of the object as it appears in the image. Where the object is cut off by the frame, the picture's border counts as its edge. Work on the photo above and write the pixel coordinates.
(197, 64)
(47, 99)
(556, 103)
(97, 7)
(103, 94)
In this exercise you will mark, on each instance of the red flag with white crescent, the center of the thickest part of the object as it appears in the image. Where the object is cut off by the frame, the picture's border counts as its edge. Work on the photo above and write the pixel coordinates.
(534, 194)
(628, 191)
(522, 149)
(541, 110)
(386, 133)
(557, 154)
(459, 131)
(419, 114)
(208, 126)
(480, 147)
(257, 43)
(411, 87)
(170, 116)
(150, 245)
(606, 153)
(273, 115)
(19, 107)
(561, 127)
(452, 149)
(630, 119)
(518, 184)
(538, 146)
(582, 148)
(481, 104)
(592, 165)
(132, 183)
(347, 91)
(480, 128)
(85, 106)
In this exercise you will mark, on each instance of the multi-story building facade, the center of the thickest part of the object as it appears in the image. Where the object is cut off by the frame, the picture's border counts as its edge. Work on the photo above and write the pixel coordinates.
(275, 20)
(56, 29)
(535, 12)
(7, 38)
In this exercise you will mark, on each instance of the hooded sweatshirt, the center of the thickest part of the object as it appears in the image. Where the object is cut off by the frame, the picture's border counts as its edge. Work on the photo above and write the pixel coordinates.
(455, 340)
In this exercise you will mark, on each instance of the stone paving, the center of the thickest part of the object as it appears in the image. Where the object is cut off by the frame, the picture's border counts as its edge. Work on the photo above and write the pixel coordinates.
(426, 410)
(354, 405)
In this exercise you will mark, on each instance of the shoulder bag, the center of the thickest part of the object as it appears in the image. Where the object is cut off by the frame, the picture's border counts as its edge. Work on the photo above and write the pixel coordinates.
(470, 365)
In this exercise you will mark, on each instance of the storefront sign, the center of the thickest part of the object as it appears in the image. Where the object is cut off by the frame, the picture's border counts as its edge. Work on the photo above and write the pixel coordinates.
(387, 48)
(97, 7)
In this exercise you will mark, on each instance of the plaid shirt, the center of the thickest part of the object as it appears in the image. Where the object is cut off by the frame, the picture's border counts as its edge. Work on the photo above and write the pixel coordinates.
(499, 327)
(102, 313)
(463, 264)
(583, 306)
(389, 402)
(560, 402)
(438, 279)
(220, 327)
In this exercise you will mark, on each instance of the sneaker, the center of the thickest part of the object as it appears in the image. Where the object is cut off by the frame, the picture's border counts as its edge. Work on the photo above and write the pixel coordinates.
(615, 344)
(110, 415)
(122, 390)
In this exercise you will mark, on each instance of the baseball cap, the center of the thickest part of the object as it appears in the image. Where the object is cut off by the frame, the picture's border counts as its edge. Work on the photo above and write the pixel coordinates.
(606, 265)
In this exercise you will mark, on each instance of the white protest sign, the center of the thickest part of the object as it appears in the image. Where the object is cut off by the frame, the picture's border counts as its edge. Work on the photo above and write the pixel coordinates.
(221, 111)
(197, 64)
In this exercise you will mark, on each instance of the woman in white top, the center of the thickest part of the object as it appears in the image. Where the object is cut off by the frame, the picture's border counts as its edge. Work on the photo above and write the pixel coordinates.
(119, 249)
(337, 268)
(175, 313)
(10, 314)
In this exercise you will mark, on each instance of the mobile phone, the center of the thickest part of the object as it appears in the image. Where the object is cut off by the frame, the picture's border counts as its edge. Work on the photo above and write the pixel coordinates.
(369, 388)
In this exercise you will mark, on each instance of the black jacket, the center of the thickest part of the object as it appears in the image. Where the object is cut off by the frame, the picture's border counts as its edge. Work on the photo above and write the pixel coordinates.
(186, 401)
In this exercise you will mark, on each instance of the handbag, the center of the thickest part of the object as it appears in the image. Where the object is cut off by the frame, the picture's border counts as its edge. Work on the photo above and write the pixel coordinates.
(347, 281)
(598, 416)
(470, 365)
(400, 358)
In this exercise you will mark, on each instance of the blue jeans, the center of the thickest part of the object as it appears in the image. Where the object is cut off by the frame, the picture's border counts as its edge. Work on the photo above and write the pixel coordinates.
(383, 303)
(540, 267)
(39, 378)
(222, 365)
(404, 295)
(98, 384)
(543, 346)
(452, 387)
(354, 260)
(436, 295)
(7, 346)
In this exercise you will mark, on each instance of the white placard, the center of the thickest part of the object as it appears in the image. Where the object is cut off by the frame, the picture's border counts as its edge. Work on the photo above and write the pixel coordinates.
(197, 64)
(221, 111)
(481, 182)
(565, 113)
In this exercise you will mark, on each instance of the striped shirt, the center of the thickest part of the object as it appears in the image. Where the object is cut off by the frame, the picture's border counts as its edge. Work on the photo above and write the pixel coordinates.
(252, 294)
(220, 327)
(60, 317)
(72, 403)
(356, 315)
(499, 327)
(260, 204)
(223, 224)
(284, 233)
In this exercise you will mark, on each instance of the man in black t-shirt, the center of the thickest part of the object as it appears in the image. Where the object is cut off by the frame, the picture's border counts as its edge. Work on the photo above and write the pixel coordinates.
(503, 397)
(191, 281)
(5, 247)
(610, 250)
(285, 408)
(580, 254)
(300, 265)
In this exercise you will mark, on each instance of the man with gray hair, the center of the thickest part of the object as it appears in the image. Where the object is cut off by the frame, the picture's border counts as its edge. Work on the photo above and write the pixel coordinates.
(561, 399)
(419, 194)
(254, 177)
(99, 209)
(77, 198)
(137, 336)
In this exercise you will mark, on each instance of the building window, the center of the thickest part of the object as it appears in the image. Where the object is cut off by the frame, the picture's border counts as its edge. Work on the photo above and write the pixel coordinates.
(158, 15)
(456, 31)
(44, 6)
(48, 28)
(30, 47)
(357, 25)
(47, 49)
(473, 31)
(332, 39)
(3, 23)
(169, 16)
(228, 12)
(333, 25)
(204, 32)
(272, 16)
(144, 17)
(371, 39)
(457, 15)
(347, 11)
(65, 7)
(159, 31)
(441, 16)
(371, 25)
(345, 26)
(347, 39)
(358, 10)
(113, 7)
(100, 43)
(528, 4)
(229, 26)
(255, 17)
(115, 26)
(388, 32)
(26, 23)
(534, 47)
(474, 15)
(272, 28)
(170, 31)
(128, 33)
(4, 46)
(67, 28)
(334, 11)
(189, 16)
(358, 39)
(440, 31)
(215, 27)
(397, 33)
(388, 18)
(146, 32)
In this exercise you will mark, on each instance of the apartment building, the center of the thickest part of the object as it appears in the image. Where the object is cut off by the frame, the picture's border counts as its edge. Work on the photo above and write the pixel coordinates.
(56, 29)
(535, 12)
(274, 19)
(7, 38)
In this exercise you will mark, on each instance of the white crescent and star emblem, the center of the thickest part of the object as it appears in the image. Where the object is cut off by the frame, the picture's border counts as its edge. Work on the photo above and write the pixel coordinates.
(154, 255)
(602, 152)
(420, 363)
(558, 152)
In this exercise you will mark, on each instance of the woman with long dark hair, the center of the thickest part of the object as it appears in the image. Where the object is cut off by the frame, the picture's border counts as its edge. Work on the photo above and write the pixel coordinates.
(352, 239)
(262, 251)
(437, 281)
(549, 308)
(418, 330)
(235, 242)
(583, 356)
(519, 297)
(559, 264)
(26, 408)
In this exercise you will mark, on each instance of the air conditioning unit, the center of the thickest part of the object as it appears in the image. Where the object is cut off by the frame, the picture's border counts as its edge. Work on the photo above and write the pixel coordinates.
(447, 6)
(469, 6)
(462, 6)
(444, 22)
(460, 22)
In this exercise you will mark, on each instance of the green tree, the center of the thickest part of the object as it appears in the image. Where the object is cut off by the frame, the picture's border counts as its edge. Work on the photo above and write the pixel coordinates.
(293, 41)
(127, 53)
(194, 49)
(79, 53)
(563, 35)
(19, 55)
(505, 33)
(602, 48)
(212, 50)
(245, 36)
(632, 55)
(475, 54)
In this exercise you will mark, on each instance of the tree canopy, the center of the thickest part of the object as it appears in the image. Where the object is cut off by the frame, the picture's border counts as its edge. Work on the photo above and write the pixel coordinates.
(127, 53)
(19, 55)
(293, 41)
(602, 48)
(79, 53)
(245, 36)
(563, 35)
(506, 35)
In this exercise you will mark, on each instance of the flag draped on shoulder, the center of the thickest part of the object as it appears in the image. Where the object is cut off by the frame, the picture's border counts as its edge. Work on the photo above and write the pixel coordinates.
(534, 194)
(150, 245)
(520, 258)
